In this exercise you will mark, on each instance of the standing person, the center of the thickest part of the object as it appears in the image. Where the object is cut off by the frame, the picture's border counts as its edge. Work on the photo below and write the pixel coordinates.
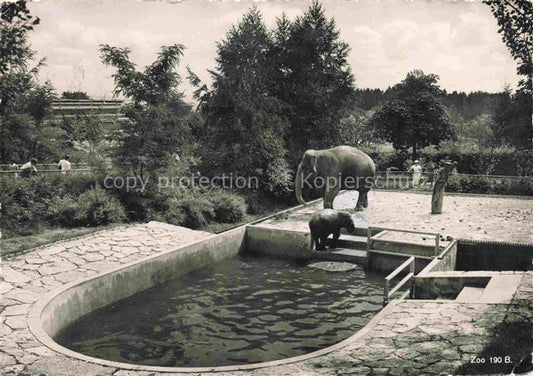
(29, 168)
(64, 164)
(417, 173)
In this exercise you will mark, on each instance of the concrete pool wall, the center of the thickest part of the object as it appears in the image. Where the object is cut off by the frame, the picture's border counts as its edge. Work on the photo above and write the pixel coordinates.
(76, 300)
(470, 263)
(73, 301)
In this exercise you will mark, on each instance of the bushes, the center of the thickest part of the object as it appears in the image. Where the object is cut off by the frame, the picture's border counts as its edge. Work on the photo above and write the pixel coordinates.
(480, 184)
(96, 207)
(199, 211)
(52, 200)
(497, 161)
(228, 208)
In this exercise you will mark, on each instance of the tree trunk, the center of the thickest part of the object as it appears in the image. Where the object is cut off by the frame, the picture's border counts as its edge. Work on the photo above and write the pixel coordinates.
(415, 152)
(438, 189)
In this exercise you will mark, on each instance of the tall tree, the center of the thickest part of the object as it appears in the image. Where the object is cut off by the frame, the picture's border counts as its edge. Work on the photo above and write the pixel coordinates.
(157, 129)
(244, 125)
(317, 83)
(514, 19)
(513, 122)
(413, 118)
(24, 103)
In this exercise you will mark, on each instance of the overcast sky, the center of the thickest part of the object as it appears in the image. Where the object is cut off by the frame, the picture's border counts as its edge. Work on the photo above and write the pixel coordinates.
(457, 41)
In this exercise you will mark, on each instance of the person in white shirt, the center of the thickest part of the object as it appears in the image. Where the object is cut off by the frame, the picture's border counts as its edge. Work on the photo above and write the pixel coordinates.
(417, 173)
(29, 168)
(64, 164)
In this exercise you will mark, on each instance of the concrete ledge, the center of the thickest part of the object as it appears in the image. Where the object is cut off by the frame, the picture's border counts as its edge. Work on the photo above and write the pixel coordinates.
(64, 306)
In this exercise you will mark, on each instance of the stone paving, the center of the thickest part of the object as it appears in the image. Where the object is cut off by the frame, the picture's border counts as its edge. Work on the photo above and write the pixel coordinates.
(415, 337)
(25, 279)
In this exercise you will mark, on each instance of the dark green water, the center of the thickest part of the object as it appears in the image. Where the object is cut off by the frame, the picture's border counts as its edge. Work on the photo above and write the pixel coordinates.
(238, 311)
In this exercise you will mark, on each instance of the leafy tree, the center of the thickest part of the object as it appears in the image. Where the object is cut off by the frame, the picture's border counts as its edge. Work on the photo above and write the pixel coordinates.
(355, 130)
(15, 22)
(513, 120)
(244, 127)
(316, 81)
(74, 95)
(511, 123)
(157, 129)
(25, 105)
(413, 118)
(514, 19)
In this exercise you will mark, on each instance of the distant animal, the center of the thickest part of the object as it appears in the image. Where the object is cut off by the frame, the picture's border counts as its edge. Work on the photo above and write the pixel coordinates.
(328, 221)
(342, 167)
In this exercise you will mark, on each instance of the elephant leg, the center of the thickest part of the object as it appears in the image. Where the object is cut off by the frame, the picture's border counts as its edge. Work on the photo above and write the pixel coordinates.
(323, 242)
(330, 193)
(336, 236)
(317, 243)
(362, 200)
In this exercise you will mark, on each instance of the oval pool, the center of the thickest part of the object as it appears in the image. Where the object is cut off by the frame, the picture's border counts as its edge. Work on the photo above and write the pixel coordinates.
(240, 310)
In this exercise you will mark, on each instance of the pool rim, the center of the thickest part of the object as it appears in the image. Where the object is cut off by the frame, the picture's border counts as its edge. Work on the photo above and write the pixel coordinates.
(36, 328)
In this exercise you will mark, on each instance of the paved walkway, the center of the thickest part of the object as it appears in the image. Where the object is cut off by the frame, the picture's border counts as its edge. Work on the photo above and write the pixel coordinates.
(415, 337)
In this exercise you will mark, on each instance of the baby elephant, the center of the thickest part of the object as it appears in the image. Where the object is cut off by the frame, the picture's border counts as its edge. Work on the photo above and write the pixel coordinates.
(327, 222)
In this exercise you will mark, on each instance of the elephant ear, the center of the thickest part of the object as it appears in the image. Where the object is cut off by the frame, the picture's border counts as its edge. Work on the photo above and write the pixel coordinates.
(314, 160)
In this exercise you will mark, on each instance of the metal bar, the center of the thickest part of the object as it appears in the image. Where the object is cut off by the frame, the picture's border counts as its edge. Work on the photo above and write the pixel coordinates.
(401, 283)
(447, 249)
(386, 293)
(404, 295)
(368, 238)
(412, 287)
(408, 231)
(400, 268)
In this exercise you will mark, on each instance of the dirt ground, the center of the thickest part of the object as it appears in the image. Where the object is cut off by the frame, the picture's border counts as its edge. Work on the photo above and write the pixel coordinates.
(472, 217)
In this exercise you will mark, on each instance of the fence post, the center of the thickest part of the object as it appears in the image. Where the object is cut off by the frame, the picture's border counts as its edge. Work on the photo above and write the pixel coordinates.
(412, 287)
(437, 239)
(368, 236)
(386, 293)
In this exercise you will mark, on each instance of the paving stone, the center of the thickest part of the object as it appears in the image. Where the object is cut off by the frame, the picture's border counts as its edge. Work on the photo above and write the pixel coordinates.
(5, 287)
(18, 309)
(16, 322)
(13, 370)
(22, 296)
(51, 281)
(6, 360)
(53, 250)
(434, 329)
(5, 330)
(57, 267)
(41, 351)
(35, 289)
(62, 366)
(69, 276)
(99, 266)
(11, 275)
(90, 257)
(35, 260)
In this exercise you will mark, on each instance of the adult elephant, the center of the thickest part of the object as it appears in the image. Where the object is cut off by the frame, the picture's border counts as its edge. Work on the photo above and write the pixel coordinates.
(342, 167)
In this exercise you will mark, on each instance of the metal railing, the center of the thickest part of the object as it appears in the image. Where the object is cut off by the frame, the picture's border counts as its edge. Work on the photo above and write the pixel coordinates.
(387, 292)
(382, 230)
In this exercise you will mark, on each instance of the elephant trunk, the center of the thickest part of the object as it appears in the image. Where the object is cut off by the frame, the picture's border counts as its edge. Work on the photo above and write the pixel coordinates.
(298, 186)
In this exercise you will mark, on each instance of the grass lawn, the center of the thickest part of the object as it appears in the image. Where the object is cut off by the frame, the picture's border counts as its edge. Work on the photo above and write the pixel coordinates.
(15, 246)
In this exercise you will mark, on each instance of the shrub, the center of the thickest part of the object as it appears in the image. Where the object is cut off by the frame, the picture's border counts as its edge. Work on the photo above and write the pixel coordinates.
(228, 207)
(63, 211)
(175, 213)
(96, 207)
(198, 211)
